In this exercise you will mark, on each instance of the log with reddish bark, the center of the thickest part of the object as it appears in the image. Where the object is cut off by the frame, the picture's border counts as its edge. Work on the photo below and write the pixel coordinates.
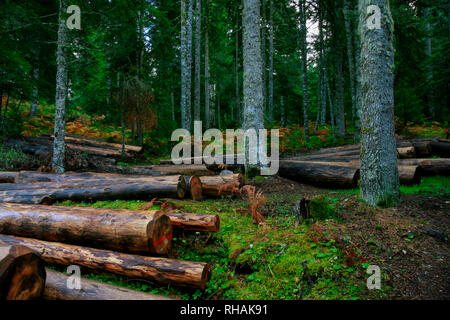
(56, 289)
(320, 174)
(132, 189)
(8, 177)
(22, 273)
(194, 222)
(134, 232)
(157, 270)
(430, 167)
(193, 187)
(216, 186)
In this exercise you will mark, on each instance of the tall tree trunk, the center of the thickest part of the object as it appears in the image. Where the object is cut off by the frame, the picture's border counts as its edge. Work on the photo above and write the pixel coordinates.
(271, 53)
(198, 41)
(429, 68)
(253, 80)
(207, 74)
(59, 146)
(236, 71)
(304, 49)
(339, 96)
(379, 171)
(35, 92)
(351, 60)
(263, 52)
(172, 103)
(283, 112)
(186, 62)
(358, 107)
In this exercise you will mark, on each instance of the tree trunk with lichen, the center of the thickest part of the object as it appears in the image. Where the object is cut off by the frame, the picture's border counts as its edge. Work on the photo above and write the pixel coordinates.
(253, 80)
(59, 146)
(379, 171)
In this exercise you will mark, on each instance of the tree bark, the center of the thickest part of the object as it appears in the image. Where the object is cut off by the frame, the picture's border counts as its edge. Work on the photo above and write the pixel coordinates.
(8, 177)
(271, 53)
(158, 270)
(22, 273)
(304, 49)
(236, 70)
(56, 289)
(198, 38)
(351, 60)
(207, 74)
(253, 80)
(139, 232)
(61, 92)
(194, 222)
(379, 170)
(186, 62)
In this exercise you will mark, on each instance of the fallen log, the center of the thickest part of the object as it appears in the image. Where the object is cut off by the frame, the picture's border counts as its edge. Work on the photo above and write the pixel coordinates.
(8, 177)
(56, 289)
(157, 270)
(193, 187)
(194, 222)
(22, 273)
(126, 190)
(441, 148)
(105, 228)
(406, 152)
(100, 143)
(429, 167)
(320, 174)
(216, 186)
(409, 175)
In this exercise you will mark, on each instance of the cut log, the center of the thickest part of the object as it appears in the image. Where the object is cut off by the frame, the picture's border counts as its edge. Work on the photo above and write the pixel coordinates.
(8, 177)
(441, 149)
(215, 186)
(158, 270)
(22, 273)
(409, 175)
(56, 289)
(429, 167)
(100, 143)
(423, 149)
(320, 174)
(134, 232)
(193, 187)
(406, 152)
(124, 190)
(194, 222)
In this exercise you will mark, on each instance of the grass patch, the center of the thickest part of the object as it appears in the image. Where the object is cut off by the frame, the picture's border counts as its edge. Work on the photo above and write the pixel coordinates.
(13, 159)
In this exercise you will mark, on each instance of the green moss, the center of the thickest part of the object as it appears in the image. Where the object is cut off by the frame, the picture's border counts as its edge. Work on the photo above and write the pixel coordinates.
(320, 209)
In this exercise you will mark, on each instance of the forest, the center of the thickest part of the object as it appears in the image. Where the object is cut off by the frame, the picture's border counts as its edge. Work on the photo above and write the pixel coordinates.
(353, 95)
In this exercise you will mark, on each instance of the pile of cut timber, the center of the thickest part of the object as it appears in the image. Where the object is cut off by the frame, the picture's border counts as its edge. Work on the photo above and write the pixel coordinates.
(339, 167)
(40, 188)
(116, 242)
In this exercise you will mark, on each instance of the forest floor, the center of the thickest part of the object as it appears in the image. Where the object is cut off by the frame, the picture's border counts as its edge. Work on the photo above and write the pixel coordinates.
(280, 259)
(321, 260)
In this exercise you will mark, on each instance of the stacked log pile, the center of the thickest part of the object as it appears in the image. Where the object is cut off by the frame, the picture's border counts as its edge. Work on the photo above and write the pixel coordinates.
(118, 242)
(38, 188)
(339, 167)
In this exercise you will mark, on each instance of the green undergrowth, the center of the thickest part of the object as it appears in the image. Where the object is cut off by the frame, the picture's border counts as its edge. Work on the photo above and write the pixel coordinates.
(276, 261)
(429, 186)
